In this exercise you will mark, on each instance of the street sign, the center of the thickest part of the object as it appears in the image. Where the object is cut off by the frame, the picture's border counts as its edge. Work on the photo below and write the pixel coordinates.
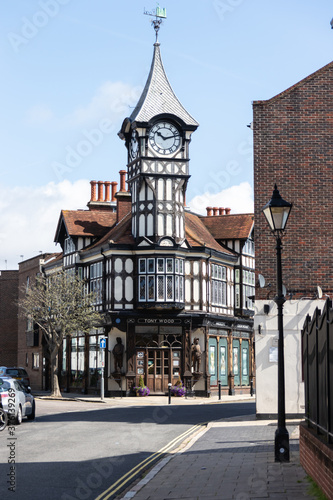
(102, 343)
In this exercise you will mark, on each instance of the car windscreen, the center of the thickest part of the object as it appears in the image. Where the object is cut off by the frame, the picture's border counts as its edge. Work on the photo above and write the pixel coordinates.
(13, 372)
(4, 385)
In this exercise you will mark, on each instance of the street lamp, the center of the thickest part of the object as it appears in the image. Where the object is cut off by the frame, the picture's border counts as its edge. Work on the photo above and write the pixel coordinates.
(277, 213)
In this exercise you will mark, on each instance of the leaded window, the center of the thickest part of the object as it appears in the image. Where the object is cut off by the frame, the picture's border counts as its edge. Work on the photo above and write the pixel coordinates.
(161, 279)
(219, 285)
(96, 281)
(69, 246)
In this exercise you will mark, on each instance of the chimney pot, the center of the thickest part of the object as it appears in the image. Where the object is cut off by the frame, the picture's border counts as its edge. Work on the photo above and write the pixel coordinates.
(93, 190)
(100, 190)
(107, 196)
(227, 211)
(216, 211)
(209, 211)
(122, 181)
(221, 211)
(114, 185)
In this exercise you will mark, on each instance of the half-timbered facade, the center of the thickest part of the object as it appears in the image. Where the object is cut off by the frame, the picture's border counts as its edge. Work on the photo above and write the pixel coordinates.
(162, 275)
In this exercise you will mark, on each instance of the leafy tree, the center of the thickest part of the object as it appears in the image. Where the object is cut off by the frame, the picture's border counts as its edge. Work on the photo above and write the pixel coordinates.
(60, 305)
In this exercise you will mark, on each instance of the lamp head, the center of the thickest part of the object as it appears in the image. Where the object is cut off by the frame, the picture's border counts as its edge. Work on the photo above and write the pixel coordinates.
(277, 212)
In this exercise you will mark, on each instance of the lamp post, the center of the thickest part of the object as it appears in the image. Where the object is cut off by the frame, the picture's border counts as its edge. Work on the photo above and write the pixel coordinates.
(277, 212)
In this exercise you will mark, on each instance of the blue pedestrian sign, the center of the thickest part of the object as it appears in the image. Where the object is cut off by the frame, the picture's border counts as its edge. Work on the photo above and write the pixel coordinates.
(102, 343)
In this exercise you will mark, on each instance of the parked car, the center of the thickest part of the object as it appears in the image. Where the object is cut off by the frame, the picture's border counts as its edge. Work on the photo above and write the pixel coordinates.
(16, 400)
(15, 372)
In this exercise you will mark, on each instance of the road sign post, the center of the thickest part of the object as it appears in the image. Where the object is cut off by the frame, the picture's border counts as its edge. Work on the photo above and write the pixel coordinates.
(102, 346)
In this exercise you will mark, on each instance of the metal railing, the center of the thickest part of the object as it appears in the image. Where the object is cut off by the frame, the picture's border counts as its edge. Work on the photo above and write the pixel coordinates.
(317, 351)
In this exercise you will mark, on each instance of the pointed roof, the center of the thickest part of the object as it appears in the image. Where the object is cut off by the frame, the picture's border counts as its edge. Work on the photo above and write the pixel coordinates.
(94, 223)
(158, 97)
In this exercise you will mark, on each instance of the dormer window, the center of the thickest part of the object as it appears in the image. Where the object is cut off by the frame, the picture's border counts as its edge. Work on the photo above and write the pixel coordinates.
(69, 246)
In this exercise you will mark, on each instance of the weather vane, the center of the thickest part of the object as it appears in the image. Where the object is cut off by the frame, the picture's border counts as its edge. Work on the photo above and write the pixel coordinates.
(159, 13)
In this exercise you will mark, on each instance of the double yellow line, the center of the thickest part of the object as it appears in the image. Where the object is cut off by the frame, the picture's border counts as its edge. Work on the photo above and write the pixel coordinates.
(126, 478)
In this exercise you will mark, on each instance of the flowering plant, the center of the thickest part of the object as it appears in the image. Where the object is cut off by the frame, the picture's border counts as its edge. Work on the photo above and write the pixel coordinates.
(178, 389)
(141, 389)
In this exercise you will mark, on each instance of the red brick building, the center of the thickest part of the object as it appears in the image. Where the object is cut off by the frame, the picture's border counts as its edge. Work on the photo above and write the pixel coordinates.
(30, 347)
(8, 317)
(293, 147)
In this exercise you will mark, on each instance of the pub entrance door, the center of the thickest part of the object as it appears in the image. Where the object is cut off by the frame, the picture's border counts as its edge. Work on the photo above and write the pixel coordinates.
(158, 357)
(163, 367)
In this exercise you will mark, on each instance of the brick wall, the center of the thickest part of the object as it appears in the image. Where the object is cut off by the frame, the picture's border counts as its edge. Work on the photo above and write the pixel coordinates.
(317, 459)
(293, 147)
(8, 317)
(26, 351)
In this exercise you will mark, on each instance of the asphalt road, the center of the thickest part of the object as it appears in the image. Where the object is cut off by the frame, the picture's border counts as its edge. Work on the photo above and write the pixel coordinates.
(76, 450)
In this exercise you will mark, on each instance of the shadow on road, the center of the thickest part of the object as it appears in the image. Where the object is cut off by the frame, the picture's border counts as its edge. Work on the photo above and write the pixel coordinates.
(173, 414)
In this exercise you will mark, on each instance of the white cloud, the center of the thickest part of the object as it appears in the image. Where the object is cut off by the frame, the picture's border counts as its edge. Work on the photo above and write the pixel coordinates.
(238, 198)
(111, 100)
(29, 217)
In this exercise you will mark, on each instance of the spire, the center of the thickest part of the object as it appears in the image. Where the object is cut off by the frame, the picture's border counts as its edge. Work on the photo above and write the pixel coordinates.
(158, 97)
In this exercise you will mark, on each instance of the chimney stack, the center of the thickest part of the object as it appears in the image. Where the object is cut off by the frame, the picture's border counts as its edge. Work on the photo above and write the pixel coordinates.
(123, 197)
(100, 196)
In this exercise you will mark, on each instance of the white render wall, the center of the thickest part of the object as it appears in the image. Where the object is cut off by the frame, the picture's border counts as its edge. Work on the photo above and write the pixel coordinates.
(294, 314)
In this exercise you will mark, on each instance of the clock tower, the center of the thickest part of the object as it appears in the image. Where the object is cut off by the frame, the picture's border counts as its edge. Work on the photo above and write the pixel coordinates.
(157, 137)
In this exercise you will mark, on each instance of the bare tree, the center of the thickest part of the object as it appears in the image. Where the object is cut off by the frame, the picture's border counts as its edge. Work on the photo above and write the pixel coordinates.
(60, 305)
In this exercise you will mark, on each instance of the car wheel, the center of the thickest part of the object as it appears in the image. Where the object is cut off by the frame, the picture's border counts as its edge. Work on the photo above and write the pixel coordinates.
(19, 416)
(3, 419)
(33, 413)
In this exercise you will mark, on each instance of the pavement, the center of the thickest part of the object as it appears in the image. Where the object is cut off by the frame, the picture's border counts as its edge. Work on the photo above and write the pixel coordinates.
(231, 459)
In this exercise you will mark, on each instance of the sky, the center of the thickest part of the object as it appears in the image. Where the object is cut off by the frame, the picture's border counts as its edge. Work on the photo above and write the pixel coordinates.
(71, 66)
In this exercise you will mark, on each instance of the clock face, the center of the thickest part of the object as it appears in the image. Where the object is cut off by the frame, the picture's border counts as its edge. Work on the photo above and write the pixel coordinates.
(164, 138)
(134, 146)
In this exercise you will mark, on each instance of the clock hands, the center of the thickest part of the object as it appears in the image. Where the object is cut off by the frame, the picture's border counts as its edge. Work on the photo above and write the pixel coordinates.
(167, 137)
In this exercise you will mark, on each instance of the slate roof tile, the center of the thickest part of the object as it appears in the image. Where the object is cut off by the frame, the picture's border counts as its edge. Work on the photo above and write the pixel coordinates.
(158, 97)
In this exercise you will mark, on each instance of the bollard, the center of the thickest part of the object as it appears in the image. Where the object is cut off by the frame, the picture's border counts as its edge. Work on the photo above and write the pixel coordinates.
(251, 387)
(169, 392)
(219, 382)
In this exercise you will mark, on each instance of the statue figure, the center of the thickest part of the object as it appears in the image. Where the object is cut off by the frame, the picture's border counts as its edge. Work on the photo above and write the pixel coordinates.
(118, 352)
(196, 355)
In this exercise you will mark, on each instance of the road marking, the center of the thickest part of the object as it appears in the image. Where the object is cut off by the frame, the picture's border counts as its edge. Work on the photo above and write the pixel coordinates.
(126, 478)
